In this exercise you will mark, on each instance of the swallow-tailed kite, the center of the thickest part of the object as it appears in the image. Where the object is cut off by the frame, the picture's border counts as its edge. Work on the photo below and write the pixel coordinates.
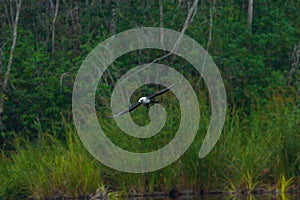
(143, 100)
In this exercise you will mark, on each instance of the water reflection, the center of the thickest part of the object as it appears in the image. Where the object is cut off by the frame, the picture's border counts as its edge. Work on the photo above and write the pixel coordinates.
(227, 197)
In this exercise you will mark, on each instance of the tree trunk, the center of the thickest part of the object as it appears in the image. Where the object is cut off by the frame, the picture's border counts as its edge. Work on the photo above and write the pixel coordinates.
(211, 20)
(11, 56)
(113, 19)
(161, 21)
(53, 24)
(250, 15)
(295, 64)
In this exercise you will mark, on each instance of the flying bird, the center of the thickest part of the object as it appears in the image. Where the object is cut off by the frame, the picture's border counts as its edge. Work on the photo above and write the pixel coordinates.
(143, 101)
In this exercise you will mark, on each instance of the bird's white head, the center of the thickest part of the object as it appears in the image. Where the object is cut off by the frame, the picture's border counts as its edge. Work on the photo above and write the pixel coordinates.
(144, 100)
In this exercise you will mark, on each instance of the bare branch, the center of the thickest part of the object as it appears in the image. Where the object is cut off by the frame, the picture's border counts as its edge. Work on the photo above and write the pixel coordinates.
(8, 17)
(11, 55)
(76, 17)
(53, 25)
(61, 79)
(161, 16)
(11, 12)
(191, 14)
(1, 59)
(113, 18)
(211, 19)
(295, 64)
(209, 40)
(250, 15)
(177, 8)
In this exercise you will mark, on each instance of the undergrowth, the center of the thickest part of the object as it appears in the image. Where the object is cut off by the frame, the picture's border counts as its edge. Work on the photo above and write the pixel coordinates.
(256, 149)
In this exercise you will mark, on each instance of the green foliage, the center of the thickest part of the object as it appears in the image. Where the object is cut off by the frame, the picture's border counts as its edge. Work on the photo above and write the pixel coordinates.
(260, 141)
(41, 83)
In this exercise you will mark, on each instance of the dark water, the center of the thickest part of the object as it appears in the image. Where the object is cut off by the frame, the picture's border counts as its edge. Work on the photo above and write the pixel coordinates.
(225, 197)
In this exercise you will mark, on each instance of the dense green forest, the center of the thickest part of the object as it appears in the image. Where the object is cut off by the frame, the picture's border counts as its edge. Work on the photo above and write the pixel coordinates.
(255, 44)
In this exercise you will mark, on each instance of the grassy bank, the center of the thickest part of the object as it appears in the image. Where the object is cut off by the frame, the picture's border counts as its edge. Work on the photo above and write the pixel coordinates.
(258, 149)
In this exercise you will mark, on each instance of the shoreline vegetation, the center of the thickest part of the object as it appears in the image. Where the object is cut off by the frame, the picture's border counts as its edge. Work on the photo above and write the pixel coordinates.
(256, 154)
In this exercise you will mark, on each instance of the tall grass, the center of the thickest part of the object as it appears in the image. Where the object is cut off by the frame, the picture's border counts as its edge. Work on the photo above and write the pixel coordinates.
(257, 149)
(50, 168)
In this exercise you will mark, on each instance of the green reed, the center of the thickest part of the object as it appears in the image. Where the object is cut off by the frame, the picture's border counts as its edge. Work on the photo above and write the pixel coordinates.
(257, 149)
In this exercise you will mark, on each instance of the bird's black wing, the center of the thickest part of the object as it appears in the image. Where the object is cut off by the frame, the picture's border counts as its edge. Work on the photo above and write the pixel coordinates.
(159, 92)
(131, 108)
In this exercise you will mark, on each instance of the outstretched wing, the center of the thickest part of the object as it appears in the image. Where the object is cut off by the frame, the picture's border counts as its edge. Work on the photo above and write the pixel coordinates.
(131, 108)
(159, 92)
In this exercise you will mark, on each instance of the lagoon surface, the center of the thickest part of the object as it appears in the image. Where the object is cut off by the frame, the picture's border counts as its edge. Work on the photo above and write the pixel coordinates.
(225, 197)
